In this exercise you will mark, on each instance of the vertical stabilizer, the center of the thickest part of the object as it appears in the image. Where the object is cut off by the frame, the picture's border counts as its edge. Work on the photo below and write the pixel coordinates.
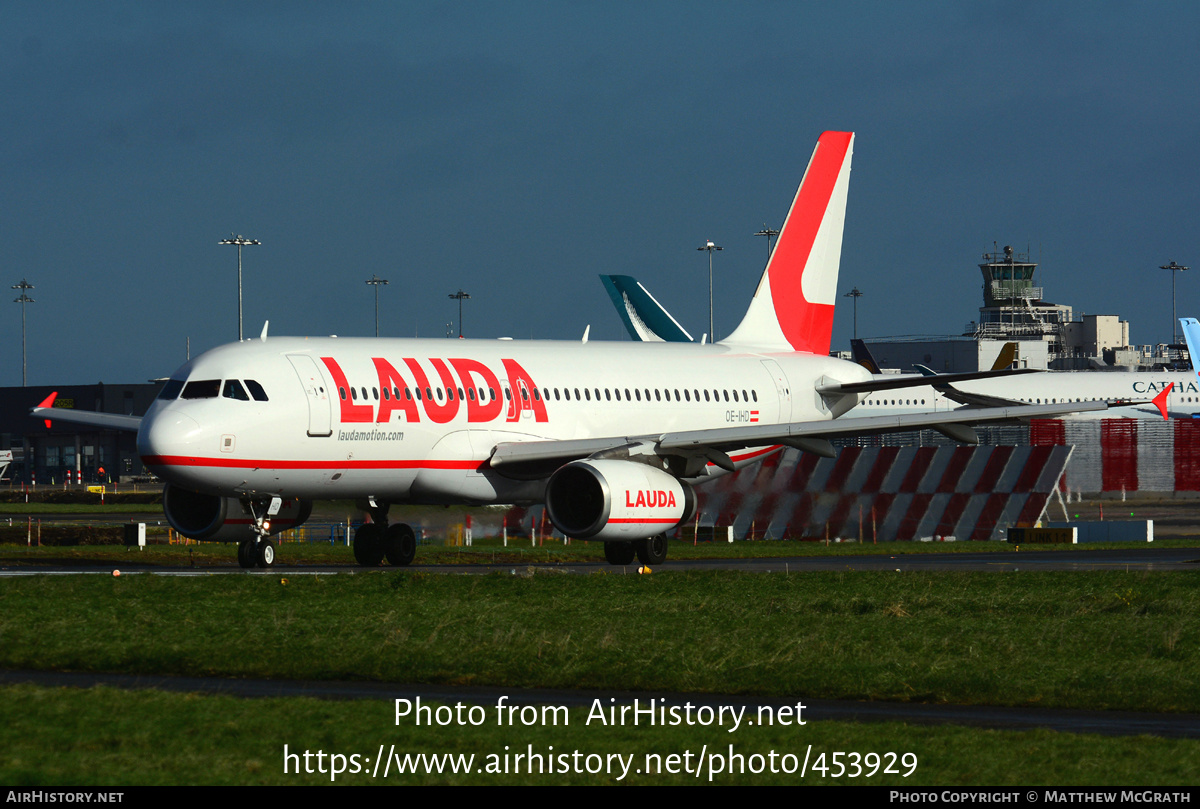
(792, 309)
(1191, 334)
(644, 317)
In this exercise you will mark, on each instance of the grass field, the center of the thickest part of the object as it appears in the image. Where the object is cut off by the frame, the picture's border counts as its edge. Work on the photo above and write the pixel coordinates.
(105, 736)
(519, 551)
(1102, 640)
(1108, 640)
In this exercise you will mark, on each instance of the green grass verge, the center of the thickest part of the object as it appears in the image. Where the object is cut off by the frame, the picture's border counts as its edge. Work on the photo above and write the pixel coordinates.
(1109, 640)
(105, 736)
(517, 552)
(80, 508)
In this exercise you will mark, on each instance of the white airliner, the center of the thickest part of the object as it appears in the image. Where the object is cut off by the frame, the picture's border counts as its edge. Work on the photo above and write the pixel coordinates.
(1165, 394)
(610, 436)
(1168, 394)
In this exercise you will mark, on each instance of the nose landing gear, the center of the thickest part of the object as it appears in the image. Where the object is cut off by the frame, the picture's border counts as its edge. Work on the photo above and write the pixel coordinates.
(259, 551)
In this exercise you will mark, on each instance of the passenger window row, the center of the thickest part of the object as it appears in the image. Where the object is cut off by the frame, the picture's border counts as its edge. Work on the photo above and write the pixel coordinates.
(540, 394)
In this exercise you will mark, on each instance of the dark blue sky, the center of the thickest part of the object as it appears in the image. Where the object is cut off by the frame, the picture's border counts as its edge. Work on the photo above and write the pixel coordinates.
(518, 150)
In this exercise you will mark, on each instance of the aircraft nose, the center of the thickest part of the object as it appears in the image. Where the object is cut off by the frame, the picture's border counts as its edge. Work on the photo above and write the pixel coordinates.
(166, 435)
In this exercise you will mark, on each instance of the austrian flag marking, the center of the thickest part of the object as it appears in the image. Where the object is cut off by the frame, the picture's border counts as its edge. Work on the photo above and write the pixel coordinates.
(753, 416)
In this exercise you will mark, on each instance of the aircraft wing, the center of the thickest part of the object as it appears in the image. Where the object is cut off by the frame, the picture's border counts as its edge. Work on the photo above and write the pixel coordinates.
(915, 381)
(112, 421)
(714, 443)
(963, 397)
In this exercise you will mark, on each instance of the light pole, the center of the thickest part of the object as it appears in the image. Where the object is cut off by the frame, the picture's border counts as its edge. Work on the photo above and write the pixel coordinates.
(23, 299)
(710, 247)
(460, 296)
(855, 294)
(240, 241)
(1174, 268)
(770, 233)
(377, 282)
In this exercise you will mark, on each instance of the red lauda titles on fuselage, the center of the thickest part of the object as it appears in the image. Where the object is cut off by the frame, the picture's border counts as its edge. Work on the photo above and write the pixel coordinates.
(649, 498)
(453, 385)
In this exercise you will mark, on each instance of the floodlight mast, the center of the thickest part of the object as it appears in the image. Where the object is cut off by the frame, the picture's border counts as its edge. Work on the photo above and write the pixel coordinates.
(1174, 268)
(23, 299)
(770, 233)
(460, 296)
(240, 241)
(710, 247)
(377, 282)
(855, 294)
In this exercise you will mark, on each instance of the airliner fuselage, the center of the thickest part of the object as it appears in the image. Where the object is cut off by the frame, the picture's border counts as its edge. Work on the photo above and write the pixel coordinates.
(417, 420)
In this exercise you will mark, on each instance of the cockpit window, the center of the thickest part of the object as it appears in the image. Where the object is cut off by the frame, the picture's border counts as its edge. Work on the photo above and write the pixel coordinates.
(256, 390)
(234, 390)
(202, 389)
(171, 390)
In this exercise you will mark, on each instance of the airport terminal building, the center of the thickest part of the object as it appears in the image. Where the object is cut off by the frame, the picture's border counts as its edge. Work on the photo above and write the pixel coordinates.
(89, 455)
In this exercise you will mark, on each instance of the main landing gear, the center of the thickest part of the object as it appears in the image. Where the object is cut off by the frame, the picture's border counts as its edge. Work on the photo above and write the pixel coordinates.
(650, 551)
(376, 541)
(259, 551)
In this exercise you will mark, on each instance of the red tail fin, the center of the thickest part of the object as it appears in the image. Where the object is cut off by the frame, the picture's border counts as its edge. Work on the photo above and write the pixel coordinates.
(793, 306)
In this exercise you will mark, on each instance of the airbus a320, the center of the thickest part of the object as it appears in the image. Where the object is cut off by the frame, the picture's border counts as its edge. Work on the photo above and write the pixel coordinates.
(611, 437)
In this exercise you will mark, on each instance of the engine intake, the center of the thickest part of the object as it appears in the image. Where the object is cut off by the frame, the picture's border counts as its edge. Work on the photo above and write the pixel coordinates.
(213, 518)
(616, 500)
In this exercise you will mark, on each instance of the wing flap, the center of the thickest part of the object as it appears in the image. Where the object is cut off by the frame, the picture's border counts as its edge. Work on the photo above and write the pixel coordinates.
(762, 434)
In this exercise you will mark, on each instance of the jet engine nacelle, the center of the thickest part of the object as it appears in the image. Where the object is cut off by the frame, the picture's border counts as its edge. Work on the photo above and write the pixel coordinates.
(616, 500)
(213, 518)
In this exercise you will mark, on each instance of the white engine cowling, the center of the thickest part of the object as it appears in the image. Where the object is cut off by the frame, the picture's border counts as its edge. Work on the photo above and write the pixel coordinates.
(616, 500)
(212, 518)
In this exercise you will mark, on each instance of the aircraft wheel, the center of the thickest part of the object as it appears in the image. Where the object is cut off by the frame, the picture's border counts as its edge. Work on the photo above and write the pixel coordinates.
(400, 545)
(265, 553)
(368, 545)
(652, 550)
(618, 553)
(245, 554)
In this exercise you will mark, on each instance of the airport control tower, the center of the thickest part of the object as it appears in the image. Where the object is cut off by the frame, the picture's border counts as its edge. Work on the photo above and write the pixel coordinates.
(1013, 307)
(1014, 310)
